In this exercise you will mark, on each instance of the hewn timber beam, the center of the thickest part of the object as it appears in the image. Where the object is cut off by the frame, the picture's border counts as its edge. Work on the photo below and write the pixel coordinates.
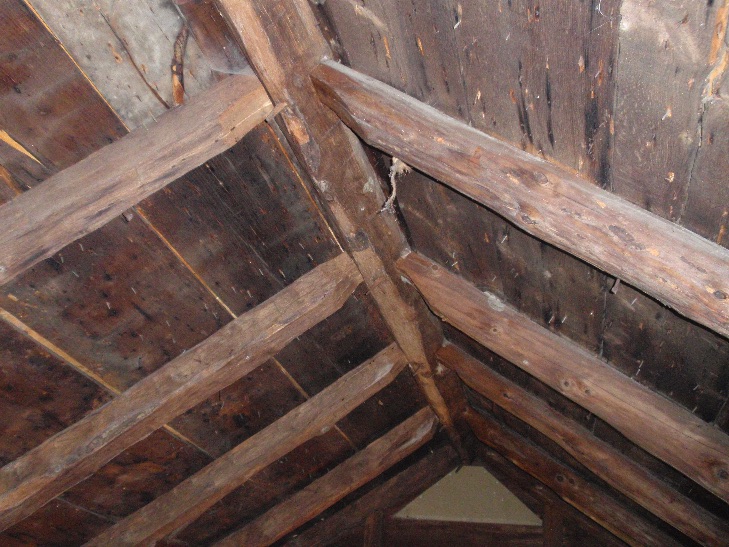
(195, 495)
(70, 456)
(616, 469)
(656, 424)
(387, 498)
(589, 499)
(338, 483)
(410, 531)
(87, 195)
(283, 44)
(679, 268)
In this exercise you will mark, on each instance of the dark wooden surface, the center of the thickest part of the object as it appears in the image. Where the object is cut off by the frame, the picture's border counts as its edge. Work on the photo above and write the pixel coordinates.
(388, 497)
(192, 497)
(679, 268)
(677, 437)
(623, 474)
(37, 477)
(321, 494)
(428, 533)
(90, 193)
(588, 498)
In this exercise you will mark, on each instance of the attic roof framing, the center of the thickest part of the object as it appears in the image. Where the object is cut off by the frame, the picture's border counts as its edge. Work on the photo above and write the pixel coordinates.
(674, 265)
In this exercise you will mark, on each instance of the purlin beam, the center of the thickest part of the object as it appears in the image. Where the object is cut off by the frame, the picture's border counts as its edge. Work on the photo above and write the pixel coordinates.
(656, 424)
(73, 454)
(680, 268)
(90, 193)
(196, 494)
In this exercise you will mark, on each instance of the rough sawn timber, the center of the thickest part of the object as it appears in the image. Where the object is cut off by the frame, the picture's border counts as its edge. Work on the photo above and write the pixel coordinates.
(70, 456)
(619, 471)
(195, 495)
(661, 427)
(336, 162)
(681, 269)
(571, 487)
(387, 498)
(90, 193)
(324, 492)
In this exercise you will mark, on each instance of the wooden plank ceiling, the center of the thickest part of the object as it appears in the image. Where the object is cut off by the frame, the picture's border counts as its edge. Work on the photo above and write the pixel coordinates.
(206, 316)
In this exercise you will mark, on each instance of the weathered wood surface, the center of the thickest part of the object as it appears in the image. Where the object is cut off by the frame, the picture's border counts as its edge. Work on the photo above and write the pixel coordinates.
(125, 50)
(618, 470)
(432, 533)
(388, 498)
(324, 492)
(336, 163)
(570, 486)
(678, 267)
(194, 496)
(71, 455)
(47, 218)
(654, 423)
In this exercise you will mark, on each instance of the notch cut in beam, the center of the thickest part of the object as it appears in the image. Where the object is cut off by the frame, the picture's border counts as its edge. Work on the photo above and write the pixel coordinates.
(570, 486)
(195, 495)
(344, 479)
(681, 269)
(87, 195)
(616, 469)
(656, 424)
(73, 454)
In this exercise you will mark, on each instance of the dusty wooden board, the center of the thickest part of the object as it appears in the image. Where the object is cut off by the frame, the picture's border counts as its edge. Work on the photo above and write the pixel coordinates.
(58, 523)
(657, 118)
(46, 104)
(244, 221)
(707, 209)
(126, 49)
(39, 394)
(558, 291)
(137, 476)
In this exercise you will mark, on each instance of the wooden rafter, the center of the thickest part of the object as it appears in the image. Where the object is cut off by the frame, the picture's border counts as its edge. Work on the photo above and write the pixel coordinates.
(192, 497)
(337, 164)
(661, 427)
(324, 492)
(681, 269)
(87, 195)
(571, 487)
(387, 498)
(70, 456)
(622, 473)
